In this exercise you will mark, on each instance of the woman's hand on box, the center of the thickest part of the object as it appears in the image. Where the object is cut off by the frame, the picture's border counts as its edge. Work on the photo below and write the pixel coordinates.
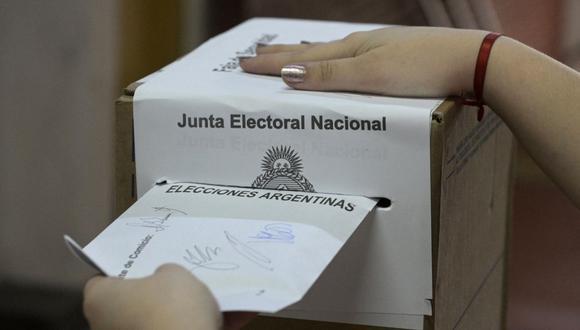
(395, 61)
(535, 95)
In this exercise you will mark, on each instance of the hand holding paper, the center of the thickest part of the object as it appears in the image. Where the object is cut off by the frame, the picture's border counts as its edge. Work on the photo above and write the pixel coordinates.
(263, 259)
(377, 62)
(171, 298)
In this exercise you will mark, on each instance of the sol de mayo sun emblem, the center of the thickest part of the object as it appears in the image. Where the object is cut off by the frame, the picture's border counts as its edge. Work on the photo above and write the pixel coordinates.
(282, 169)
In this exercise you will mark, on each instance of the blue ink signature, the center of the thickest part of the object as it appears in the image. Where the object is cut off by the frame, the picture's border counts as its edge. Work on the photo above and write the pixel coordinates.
(204, 257)
(275, 232)
(248, 252)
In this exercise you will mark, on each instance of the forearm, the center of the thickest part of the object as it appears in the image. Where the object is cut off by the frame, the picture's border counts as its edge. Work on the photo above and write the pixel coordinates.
(539, 99)
(536, 96)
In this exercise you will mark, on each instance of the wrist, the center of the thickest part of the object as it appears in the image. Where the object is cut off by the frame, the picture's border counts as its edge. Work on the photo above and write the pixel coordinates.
(469, 42)
(504, 57)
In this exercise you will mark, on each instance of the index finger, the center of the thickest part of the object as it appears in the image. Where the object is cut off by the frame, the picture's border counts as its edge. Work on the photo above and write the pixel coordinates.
(273, 63)
(281, 48)
(97, 283)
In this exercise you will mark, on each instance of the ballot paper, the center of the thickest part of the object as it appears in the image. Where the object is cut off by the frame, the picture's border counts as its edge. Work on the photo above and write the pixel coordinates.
(257, 250)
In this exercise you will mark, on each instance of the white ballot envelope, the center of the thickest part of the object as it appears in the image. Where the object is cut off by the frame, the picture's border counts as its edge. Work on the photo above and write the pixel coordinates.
(257, 250)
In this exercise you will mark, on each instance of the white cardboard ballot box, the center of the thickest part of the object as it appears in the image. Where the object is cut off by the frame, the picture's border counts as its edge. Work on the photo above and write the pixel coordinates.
(430, 256)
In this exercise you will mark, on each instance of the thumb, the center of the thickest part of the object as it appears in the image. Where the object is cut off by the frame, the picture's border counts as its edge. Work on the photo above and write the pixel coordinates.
(328, 75)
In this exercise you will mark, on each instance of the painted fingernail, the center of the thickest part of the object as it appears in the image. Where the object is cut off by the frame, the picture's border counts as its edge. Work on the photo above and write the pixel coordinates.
(293, 73)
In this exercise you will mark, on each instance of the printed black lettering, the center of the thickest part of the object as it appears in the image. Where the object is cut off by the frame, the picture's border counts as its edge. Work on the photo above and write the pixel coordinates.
(316, 122)
(287, 197)
(298, 198)
(349, 207)
(183, 121)
(235, 121)
(329, 201)
(276, 196)
(251, 123)
(171, 189)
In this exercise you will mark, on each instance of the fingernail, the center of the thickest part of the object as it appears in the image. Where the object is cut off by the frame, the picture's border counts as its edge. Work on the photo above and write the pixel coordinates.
(293, 73)
(242, 58)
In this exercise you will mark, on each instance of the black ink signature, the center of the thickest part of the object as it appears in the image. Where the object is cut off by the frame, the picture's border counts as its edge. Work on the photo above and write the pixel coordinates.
(275, 232)
(249, 253)
(203, 257)
(170, 210)
(157, 223)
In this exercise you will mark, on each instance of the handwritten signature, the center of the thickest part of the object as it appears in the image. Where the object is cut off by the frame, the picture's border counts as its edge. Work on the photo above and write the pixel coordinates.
(275, 232)
(248, 252)
(205, 257)
(168, 209)
(159, 223)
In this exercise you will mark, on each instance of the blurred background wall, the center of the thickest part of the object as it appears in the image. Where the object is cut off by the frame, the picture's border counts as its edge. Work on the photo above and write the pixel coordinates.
(63, 63)
(58, 76)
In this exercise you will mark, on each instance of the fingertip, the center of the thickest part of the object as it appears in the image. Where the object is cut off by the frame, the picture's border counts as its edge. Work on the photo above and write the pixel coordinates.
(170, 268)
(293, 86)
(326, 75)
(247, 63)
(91, 293)
(92, 282)
(262, 64)
(293, 74)
(262, 48)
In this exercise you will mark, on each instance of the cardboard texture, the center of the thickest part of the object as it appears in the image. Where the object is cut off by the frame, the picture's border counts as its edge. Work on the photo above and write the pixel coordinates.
(470, 198)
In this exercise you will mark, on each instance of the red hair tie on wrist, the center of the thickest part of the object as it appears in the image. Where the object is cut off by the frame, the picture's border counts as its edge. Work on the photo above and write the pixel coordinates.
(480, 69)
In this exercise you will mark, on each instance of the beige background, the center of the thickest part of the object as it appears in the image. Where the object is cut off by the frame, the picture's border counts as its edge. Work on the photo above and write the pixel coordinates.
(57, 82)
(62, 65)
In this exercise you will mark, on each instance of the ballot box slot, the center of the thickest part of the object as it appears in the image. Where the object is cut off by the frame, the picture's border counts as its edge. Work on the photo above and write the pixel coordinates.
(383, 202)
